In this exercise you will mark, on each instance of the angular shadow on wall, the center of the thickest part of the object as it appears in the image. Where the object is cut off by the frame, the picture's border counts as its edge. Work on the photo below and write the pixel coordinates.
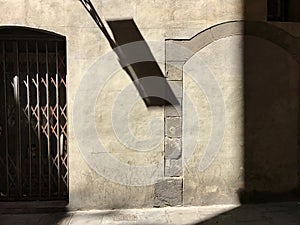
(136, 59)
(145, 71)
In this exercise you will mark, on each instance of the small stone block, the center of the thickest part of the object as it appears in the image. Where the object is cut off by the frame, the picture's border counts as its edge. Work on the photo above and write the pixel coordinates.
(173, 126)
(176, 87)
(168, 192)
(174, 71)
(174, 110)
(172, 148)
(176, 51)
(173, 167)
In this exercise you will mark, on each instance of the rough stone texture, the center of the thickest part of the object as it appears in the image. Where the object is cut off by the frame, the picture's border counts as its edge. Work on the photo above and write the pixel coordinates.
(175, 51)
(179, 216)
(174, 110)
(168, 192)
(173, 126)
(172, 148)
(184, 49)
(173, 167)
(14, 12)
(227, 29)
(174, 70)
(200, 42)
(176, 87)
(89, 218)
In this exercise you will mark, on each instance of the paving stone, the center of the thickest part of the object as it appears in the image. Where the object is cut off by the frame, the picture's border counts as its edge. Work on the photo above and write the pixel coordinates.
(169, 189)
(152, 216)
(282, 218)
(222, 219)
(208, 212)
(182, 215)
(56, 218)
(20, 219)
(87, 218)
(248, 213)
(121, 217)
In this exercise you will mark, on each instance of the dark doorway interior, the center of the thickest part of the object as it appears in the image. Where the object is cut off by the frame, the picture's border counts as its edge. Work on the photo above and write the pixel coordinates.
(33, 117)
(283, 10)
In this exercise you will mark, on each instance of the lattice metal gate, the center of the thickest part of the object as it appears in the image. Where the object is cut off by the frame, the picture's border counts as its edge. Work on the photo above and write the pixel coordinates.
(33, 117)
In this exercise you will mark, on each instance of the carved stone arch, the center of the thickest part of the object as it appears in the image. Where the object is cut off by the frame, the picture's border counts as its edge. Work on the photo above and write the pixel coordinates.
(258, 29)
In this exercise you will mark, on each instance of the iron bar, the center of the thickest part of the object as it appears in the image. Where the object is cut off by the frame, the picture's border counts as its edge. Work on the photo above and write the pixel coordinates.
(29, 119)
(39, 118)
(5, 115)
(48, 121)
(57, 119)
(17, 87)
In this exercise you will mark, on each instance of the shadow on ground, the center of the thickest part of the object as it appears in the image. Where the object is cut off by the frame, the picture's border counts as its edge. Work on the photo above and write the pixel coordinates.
(54, 218)
(259, 214)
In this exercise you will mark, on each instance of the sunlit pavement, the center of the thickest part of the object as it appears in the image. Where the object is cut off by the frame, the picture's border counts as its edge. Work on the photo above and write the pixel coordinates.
(258, 214)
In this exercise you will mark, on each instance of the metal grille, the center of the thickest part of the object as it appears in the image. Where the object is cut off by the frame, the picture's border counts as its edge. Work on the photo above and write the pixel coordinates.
(33, 118)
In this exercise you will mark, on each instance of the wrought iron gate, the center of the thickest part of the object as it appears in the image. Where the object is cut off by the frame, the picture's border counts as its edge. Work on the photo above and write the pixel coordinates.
(33, 117)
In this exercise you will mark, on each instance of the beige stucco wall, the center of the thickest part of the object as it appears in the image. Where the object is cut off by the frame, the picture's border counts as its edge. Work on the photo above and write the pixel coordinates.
(219, 181)
(259, 142)
(157, 20)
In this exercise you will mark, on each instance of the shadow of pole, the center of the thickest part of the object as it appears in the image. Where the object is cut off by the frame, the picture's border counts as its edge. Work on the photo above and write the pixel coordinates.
(130, 46)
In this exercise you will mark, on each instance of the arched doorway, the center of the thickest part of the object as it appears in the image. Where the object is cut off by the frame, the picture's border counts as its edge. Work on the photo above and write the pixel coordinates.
(33, 117)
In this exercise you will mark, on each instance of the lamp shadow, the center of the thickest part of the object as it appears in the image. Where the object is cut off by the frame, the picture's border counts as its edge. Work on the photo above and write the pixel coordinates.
(136, 59)
(138, 62)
